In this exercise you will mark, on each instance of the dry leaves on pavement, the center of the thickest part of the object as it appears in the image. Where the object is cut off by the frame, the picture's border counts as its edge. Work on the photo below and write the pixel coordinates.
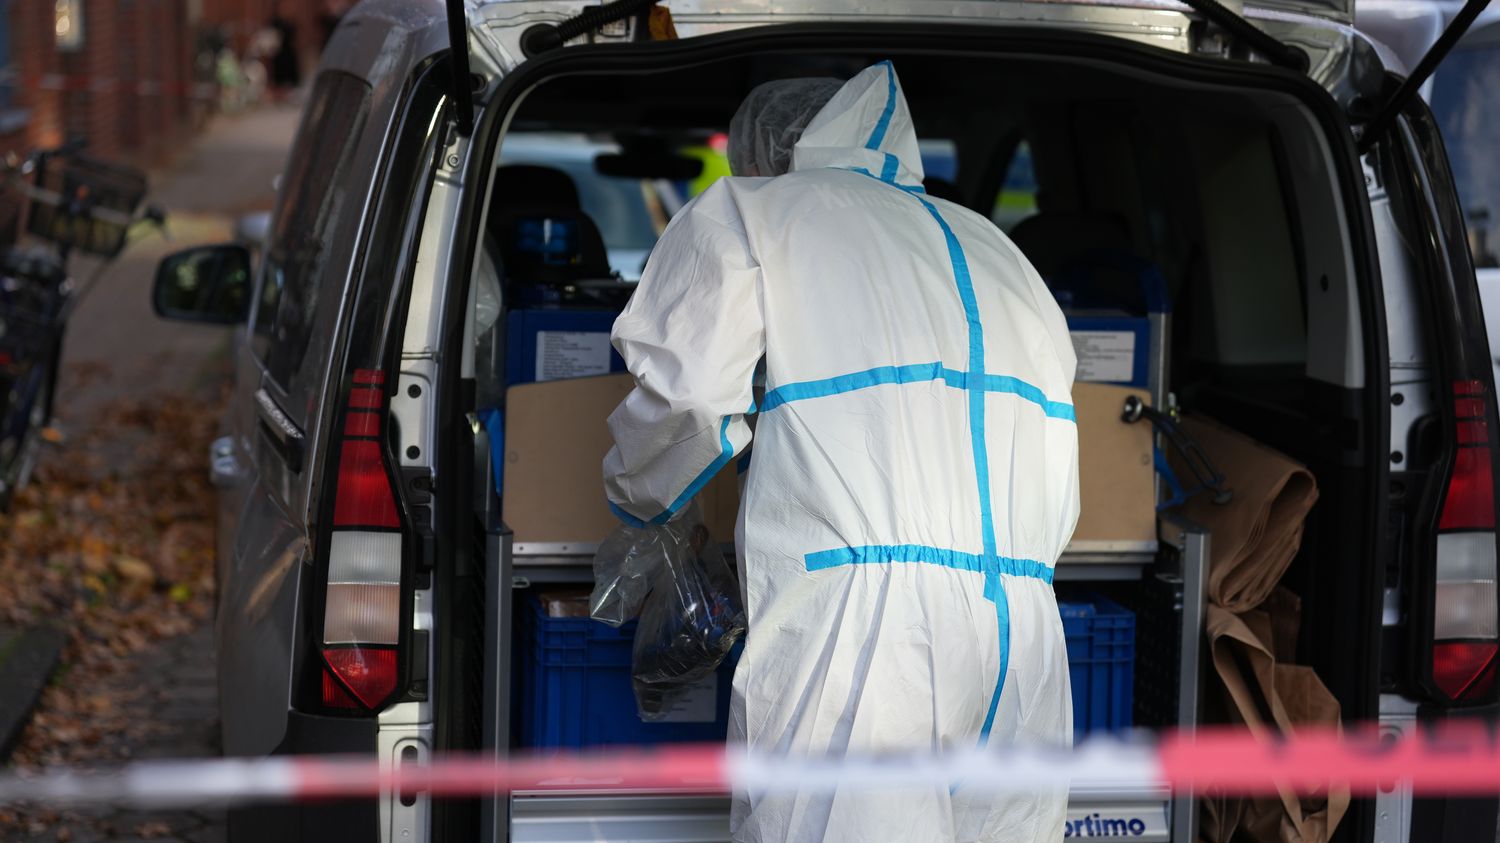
(113, 541)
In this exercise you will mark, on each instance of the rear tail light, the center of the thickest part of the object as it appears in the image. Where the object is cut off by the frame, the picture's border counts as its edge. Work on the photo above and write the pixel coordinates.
(362, 608)
(1464, 670)
(368, 674)
(1466, 612)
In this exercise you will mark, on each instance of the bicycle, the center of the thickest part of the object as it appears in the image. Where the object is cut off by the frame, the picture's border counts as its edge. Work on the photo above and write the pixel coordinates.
(74, 203)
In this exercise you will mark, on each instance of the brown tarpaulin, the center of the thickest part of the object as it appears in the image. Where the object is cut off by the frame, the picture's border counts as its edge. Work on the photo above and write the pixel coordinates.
(1270, 697)
(1258, 532)
(1251, 629)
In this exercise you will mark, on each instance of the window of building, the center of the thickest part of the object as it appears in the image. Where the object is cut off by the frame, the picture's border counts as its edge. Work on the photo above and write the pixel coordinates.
(68, 24)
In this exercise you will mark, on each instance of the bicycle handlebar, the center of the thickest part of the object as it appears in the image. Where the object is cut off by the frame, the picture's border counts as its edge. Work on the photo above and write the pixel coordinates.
(24, 164)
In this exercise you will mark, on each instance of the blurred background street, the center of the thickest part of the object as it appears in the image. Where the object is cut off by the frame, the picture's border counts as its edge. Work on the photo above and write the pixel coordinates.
(106, 573)
(113, 543)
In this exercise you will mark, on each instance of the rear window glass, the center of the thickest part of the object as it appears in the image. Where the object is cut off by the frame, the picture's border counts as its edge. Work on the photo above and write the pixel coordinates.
(1017, 199)
(314, 192)
(619, 206)
(629, 212)
(1468, 112)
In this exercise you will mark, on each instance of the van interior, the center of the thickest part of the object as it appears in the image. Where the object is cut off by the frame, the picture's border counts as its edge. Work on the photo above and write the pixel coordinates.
(1233, 193)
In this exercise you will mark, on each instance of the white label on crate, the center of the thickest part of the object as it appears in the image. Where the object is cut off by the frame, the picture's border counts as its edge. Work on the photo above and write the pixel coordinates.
(1105, 355)
(699, 703)
(1145, 822)
(571, 354)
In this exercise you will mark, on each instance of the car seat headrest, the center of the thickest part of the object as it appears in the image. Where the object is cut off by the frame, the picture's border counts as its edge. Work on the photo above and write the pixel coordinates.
(1052, 241)
(1089, 261)
(543, 234)
(533, 184)
(940, 188)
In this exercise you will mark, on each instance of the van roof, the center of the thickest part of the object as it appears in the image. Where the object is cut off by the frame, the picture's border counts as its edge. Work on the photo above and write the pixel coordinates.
(419, 27)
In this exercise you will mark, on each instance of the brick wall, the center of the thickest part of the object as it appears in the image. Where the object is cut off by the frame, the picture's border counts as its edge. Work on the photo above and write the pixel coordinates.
(31, 27)
(127, 89)
(93, 96)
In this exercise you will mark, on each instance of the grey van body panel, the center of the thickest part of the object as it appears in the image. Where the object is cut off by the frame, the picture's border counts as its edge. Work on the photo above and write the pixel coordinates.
(257, 638)
(383, 46)
(273, 510)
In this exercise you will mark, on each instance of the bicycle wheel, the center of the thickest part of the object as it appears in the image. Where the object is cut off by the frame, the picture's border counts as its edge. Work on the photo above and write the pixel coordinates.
(21, 434)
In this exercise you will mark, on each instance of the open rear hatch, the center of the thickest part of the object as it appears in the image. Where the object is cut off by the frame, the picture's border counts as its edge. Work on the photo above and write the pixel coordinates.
(1236, 185)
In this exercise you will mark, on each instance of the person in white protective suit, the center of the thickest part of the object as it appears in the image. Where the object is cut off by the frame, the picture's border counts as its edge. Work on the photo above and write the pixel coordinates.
(915, 472)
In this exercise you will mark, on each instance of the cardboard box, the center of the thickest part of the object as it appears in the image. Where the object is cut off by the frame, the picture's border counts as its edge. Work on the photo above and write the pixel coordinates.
(556, 438)
(1116, 472)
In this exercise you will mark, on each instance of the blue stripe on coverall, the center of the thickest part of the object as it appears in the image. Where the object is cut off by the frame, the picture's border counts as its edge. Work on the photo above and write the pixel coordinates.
(726, 453)
(914, 373)
(975, 380)
(877, 137)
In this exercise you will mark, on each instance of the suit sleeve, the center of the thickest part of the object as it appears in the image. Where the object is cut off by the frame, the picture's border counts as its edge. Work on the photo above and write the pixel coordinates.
(692, 336)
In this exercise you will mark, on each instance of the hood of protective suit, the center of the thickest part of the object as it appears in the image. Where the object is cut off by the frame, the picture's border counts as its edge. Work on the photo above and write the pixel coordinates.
(867, 127)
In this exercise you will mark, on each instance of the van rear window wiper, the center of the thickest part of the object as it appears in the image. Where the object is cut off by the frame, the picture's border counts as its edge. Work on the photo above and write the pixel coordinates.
(1251, 35)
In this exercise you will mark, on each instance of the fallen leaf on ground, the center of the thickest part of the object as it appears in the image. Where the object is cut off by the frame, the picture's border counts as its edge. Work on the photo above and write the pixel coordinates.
(106, 513)
(153, 830)
(135, 570)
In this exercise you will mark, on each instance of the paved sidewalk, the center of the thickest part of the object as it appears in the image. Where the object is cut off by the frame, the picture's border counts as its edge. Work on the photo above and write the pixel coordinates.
(116, 348)
(171, 688)
(116, 345)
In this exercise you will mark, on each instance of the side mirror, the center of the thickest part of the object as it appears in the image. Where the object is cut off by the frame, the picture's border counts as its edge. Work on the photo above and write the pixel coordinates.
(208, 284)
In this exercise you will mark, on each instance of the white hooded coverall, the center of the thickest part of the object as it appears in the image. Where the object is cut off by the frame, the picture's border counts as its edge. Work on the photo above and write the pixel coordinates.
(914, 478)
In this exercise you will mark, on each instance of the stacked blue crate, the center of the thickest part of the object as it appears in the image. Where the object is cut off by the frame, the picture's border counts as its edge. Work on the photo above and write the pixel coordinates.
(1100, 636)
(575, 680)
(575, 689)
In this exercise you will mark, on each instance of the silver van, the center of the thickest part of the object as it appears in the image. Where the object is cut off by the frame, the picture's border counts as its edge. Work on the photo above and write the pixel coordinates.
(1295, 199)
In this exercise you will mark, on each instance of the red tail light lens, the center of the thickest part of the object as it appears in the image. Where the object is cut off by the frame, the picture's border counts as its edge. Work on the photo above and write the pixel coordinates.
(367, 673)
(1466, 613)
(363, 555)
(1465, 670)
(1470, 504)
(334, 695)
(364, 497)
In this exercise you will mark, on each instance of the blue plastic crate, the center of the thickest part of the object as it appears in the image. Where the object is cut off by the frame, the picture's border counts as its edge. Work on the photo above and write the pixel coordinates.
(1101, 663)
(1110, 325)
(547, 344)
(1112, 349)
(575, 675)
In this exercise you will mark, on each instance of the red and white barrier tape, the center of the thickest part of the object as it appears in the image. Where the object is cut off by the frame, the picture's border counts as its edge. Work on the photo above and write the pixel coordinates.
(1449, 761)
